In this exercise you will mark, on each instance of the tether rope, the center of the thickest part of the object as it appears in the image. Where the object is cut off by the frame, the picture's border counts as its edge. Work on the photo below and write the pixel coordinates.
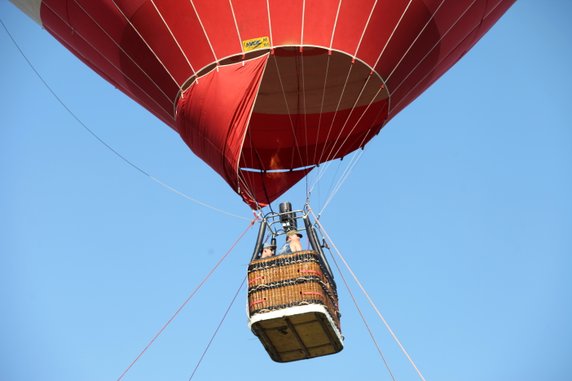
(104, 143)
(197, 288)
(218, 328)
(370, 301)
(363, 319)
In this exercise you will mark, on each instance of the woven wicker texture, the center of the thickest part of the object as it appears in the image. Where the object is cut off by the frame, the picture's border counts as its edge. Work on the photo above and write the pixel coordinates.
(290, 280)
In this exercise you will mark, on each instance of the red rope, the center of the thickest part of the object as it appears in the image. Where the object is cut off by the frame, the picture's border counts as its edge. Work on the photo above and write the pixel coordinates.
(187, 300)
(217, 329)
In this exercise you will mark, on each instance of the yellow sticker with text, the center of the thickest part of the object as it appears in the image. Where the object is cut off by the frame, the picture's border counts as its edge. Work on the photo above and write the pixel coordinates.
(255, 43)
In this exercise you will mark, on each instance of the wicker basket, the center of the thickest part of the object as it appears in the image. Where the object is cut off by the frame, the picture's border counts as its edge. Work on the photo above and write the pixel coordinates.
(290, 280)
(292, 289)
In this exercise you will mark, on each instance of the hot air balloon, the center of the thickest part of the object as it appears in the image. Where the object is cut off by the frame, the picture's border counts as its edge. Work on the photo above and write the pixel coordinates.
(264, 91)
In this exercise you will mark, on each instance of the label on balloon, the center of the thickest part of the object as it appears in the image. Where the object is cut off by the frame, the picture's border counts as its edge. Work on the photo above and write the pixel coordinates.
(255, 43)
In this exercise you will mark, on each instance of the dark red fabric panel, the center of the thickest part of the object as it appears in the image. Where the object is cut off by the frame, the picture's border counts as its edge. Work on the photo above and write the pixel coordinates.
(381, 27)
(450, 12)
(128, 7)
(213, 114)
(419, 50)
(460, 27)
(54, 7)
(102, 15)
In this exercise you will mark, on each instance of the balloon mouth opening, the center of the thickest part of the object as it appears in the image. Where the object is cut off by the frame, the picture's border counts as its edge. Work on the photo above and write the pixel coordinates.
(305, 106)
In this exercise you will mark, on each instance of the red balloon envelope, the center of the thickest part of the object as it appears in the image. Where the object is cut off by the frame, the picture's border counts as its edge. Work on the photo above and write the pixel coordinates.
(264, 90)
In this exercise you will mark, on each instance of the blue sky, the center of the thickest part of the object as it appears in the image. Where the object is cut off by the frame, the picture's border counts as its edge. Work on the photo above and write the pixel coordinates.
(457, 219)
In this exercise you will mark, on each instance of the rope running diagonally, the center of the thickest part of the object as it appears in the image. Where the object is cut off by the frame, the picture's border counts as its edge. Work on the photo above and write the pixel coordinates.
(363, 319)
(104, 143)
(197, 288)
(218, 327)
(370, 301)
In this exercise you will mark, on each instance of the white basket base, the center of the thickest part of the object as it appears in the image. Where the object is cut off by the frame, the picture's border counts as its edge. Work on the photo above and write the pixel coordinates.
(297, 333)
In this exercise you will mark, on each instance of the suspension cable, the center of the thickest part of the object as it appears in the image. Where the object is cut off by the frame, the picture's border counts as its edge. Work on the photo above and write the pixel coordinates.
(372, 304)
(331, 156)
(218, 327)
(345, 175)
(285, 98)
(192, 294)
